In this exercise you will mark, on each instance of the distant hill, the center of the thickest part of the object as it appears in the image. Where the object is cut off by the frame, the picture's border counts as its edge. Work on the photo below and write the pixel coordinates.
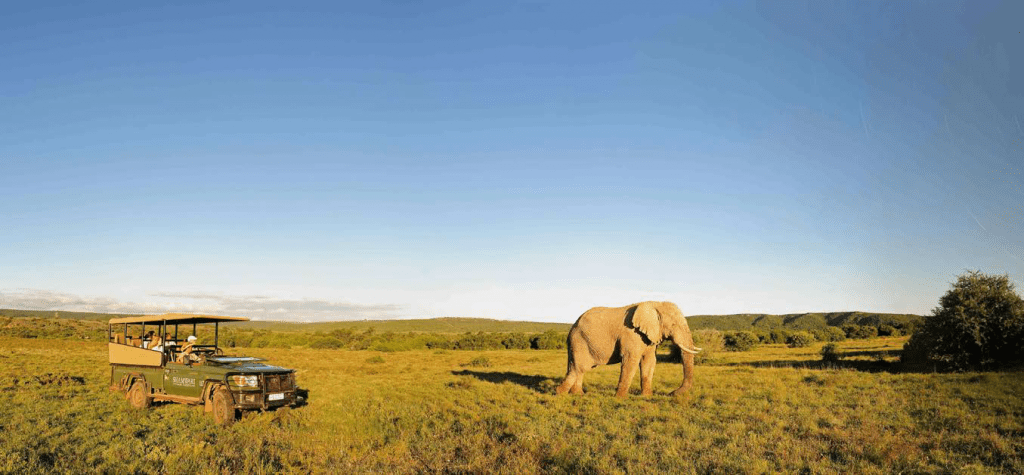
(9, 313)
(427, 325)
(746, 321)
(799, 321)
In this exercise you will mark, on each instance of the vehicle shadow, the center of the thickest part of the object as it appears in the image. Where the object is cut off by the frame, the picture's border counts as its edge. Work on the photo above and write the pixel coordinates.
(536, 382)
(858, 365)
(873, 361)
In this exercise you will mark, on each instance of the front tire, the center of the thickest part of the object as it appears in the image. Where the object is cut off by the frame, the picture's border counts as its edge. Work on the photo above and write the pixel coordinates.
(138, 395)
(223, 407)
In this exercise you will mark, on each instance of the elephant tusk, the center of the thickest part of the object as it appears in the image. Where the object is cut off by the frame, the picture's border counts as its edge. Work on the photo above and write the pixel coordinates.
(692, 352)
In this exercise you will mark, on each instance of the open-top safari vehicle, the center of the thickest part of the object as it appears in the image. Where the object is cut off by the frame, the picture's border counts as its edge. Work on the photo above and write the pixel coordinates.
(156, 366)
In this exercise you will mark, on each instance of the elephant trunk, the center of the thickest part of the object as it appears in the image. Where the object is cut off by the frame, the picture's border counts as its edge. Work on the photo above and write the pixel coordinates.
(684, 340)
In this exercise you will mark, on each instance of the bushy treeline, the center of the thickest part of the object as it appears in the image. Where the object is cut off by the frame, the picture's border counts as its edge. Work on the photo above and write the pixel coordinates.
(46, 314)
(745, 340)
(59, 328)
(761, 323)
(370, 339)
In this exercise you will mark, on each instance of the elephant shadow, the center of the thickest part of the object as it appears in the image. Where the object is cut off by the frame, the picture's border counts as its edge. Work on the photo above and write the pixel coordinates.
(536, 382)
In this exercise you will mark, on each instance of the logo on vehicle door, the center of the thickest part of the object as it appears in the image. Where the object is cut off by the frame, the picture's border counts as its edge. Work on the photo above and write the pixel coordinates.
(180, 381)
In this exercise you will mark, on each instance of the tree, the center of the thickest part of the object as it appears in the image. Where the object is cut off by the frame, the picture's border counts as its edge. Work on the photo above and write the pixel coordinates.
(741, 341)
(799, 339)
(979, 324)
(857, 332)
(834, 334)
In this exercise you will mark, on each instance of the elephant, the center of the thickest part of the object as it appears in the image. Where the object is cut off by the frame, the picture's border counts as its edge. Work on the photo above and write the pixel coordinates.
(631, 335)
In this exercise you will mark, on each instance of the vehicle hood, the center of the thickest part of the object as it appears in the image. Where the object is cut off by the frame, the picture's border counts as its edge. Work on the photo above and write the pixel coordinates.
(246, 365)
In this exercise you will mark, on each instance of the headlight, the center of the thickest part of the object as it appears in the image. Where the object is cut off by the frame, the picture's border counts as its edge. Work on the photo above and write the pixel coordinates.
(246, 381)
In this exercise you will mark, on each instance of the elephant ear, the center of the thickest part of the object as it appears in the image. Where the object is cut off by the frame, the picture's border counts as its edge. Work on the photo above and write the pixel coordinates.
(645, 319)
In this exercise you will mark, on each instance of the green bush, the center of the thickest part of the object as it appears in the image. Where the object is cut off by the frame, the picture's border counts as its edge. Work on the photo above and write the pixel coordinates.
(830, 353)
(860, 332)
(889, 330)
(516, 341)
(549, 340)
(741, 341)
(480, 362)
(776, 337)
(834, 334)
(325, 343)
(799, 339)
(979, 324)
(709, 341)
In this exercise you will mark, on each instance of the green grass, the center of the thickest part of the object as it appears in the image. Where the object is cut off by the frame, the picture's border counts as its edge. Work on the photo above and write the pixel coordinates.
(775, 409)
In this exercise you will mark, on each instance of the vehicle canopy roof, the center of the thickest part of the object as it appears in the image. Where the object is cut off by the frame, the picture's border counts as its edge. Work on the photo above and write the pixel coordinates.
(176, 318)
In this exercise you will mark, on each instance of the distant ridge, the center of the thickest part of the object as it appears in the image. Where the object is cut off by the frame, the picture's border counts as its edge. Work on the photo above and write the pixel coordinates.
(425, 325)
(799, 321)
(744, 321)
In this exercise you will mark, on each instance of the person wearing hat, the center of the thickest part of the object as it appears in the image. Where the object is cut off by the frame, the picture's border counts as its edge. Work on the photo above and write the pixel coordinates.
(186, 350)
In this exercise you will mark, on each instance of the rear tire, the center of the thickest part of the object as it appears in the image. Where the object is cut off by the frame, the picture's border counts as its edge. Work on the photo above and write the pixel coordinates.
(138, 395)
(223, 406)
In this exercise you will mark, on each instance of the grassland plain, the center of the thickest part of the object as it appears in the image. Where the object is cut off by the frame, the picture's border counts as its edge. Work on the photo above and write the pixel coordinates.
(775, 409)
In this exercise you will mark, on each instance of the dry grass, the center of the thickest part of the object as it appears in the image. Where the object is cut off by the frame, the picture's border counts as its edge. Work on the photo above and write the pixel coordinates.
(771, 410)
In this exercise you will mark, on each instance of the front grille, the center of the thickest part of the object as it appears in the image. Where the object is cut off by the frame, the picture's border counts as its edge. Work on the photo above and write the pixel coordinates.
(279, 382)
(273, 383)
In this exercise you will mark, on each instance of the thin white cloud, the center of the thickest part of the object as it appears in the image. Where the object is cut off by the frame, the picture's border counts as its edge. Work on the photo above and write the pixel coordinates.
(257, 307)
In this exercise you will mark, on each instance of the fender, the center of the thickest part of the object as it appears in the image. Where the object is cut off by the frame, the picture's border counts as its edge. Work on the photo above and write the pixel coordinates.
(209, 387)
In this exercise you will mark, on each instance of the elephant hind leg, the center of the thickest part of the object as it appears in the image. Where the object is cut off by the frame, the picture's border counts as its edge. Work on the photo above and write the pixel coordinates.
(629, 367)
(573, 384)
(567, 383)
(579, 363)
(647, 362)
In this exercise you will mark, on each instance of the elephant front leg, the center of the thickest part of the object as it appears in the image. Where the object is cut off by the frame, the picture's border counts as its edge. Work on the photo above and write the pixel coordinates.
(687, 375)
(629, 366)
(647, 372)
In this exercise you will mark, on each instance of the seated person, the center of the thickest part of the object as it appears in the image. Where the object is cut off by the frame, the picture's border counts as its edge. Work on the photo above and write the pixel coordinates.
(147, 341)
(186, 355)
(156, 344)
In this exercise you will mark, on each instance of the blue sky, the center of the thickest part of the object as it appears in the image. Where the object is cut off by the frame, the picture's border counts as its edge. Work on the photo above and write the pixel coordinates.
(520, 161)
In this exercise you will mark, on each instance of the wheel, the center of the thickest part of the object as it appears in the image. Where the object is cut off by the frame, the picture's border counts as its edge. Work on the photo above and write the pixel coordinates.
(223, 406)
(138, 395)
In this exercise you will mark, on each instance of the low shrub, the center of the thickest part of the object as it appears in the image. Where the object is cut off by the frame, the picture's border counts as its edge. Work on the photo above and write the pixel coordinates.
(549, 340)
(516, 341)
(776, 337)
(710, 342)
(325, 343)
(860, 332)
(799, 339)
(830, 353)
(833, 334)
(741, 341)
(889, 330)
(479, 362)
